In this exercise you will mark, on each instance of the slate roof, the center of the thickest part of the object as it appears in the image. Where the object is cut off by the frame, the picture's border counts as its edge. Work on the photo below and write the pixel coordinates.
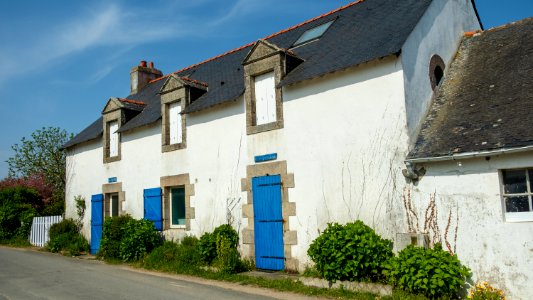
(486, 100)
(362, 31)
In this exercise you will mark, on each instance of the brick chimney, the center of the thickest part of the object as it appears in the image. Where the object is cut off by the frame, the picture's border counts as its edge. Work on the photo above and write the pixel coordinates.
(140, 75)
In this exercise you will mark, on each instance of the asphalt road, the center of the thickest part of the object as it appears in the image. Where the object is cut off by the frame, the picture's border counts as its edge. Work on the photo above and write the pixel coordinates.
(28, 274)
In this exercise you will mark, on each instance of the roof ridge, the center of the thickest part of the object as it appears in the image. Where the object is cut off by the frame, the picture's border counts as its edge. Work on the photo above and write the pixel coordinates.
(267, 37)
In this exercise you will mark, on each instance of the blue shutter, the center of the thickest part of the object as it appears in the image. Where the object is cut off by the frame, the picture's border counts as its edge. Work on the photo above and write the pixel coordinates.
(152, 207)
(268, 223)
(97, 221)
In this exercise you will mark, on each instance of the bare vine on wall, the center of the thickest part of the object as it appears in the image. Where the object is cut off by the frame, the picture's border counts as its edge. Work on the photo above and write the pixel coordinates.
(431, 224)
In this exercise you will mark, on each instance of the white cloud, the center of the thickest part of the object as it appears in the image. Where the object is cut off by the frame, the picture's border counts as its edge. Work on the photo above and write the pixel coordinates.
(113, 25)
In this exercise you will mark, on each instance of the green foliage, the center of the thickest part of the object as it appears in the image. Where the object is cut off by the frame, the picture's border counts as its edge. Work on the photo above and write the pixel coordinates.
(127, 239)
(112, 233)
(350, 252)
(80, 209)
(208, 242)
(64, 237)
(207, 246)
(16, 212)
(42, 154)
(140, 238)
(434, 273)
(172, 256)
(228, 260)
(227, 232)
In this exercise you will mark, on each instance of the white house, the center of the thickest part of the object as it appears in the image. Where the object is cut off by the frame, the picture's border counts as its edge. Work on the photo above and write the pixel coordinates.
(309, 125)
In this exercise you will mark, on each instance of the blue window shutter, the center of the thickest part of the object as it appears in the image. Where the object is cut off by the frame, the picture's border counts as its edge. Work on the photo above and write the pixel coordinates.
(153, 207)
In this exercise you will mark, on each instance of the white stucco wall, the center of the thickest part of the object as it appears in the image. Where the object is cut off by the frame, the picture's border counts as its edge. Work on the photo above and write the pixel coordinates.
(496, 251)
(439, 32)
(213, 160)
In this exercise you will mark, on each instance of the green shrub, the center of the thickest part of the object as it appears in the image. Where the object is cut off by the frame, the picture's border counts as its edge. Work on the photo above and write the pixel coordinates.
(227, 232)
(171, 256)
(140, 238)
(207, 246)
(350, 252)
(64, 236)
(127, 239)
(112, 233)
(208, 242)
(16, 212)
(434, 273)
(228, 260)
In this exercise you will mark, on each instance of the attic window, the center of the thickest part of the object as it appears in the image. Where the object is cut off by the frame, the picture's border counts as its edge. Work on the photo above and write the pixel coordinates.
(313, 33)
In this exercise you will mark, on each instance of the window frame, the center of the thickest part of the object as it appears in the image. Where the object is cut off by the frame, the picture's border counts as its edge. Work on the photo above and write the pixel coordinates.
(516, 217)
(300, 41)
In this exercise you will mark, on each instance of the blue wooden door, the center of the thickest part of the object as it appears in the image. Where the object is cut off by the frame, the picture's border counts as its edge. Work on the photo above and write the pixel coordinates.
(97, 221)
(268, 223)
(152, 207)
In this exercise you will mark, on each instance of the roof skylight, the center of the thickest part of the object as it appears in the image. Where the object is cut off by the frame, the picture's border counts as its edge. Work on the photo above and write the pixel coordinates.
(313, 33)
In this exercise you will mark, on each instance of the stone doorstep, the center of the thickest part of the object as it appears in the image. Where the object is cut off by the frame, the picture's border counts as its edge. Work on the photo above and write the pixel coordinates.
(374, 288)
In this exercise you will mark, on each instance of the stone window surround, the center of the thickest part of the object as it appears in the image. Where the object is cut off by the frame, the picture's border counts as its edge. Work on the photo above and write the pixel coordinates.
(113, 188)
(115, 115)
(168, 182)
(288, 209)
(179, 94)
(271, 63)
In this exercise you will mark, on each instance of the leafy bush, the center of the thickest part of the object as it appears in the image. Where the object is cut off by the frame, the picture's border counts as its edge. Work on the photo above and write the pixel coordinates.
(484, 291)
(350, 252)
(127, 239)
(171, 256)
(112, 233)
(16, 212)
(64, 236)
(228, 260)
(207, 246)
(140, 238)
(434, 273)
(208, 242)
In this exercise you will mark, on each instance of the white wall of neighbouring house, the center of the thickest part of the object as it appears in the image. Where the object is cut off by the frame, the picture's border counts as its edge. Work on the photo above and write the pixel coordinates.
(439, 32)
(497, 251)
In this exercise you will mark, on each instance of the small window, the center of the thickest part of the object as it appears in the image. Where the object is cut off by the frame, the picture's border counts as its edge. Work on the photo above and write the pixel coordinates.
(113, 139)
(313, 33)
(265, 98)
(114, 205)
(517, 194)
(436, 71)
(177, 206)
(174, 120)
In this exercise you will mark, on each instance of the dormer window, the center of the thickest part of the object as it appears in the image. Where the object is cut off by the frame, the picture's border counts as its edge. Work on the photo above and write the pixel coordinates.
(113, 138)
(312, 34)
(176, 94)
(265, 98)
(174, 120)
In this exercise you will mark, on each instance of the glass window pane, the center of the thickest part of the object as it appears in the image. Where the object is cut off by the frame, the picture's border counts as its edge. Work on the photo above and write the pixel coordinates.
(178, 206)
(313, 33)
(514, 181)
(517, 204)
(114, 205)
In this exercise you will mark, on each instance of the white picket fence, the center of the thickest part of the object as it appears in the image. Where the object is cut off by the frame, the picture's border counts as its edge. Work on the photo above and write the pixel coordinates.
(40, 228)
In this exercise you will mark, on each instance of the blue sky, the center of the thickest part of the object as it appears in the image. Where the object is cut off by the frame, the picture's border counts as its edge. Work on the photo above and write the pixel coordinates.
(60, 61)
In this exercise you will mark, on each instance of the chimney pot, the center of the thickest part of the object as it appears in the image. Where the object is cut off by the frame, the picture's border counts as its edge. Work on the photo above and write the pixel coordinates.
(151, 65)
(143, 63)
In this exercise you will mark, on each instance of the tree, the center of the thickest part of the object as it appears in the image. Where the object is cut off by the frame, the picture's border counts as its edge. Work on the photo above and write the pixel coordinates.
(42, 154)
